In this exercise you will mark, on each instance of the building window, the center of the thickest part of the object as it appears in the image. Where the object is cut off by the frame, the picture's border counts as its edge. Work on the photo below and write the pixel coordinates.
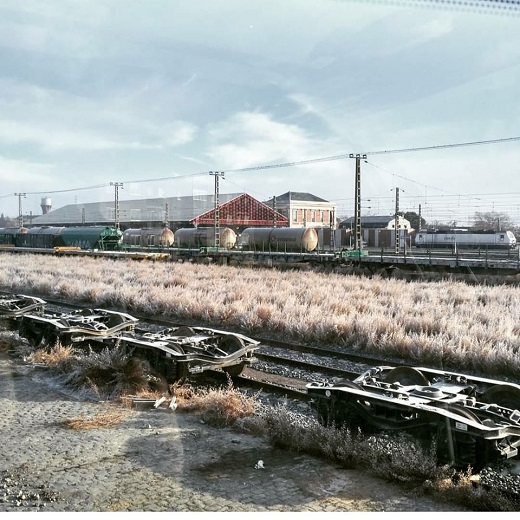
(295, 215)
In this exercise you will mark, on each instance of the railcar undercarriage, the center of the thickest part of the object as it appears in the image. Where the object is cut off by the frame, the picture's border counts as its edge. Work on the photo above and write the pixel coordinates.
(472, 421)
(175, 352)
(15, 305)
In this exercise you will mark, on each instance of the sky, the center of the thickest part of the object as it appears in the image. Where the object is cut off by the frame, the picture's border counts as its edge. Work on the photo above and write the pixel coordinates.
(153, 96)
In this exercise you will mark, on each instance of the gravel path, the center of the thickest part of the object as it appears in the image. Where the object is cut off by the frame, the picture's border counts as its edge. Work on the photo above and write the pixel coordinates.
(159, 460)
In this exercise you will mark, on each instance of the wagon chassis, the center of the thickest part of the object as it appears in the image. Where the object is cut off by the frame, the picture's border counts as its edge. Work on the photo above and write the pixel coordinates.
(15, 305)
(472, 421)
(176, 352)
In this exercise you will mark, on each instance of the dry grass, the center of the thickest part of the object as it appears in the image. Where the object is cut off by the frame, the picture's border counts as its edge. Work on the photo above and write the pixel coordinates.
(216, 406)
(445, 324)
(108, 418)
(56, 355)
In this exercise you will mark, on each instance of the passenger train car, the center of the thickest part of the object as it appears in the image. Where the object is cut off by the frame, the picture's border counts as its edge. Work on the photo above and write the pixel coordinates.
(463, 238)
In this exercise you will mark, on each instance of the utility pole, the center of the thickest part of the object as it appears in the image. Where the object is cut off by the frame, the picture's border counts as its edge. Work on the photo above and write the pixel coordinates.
(274, 210)
(216, 220)
(166, 215)
(117, 185)
(20, 212)
(396, 221)
(332, 219)
(357, 205)
(420, 218)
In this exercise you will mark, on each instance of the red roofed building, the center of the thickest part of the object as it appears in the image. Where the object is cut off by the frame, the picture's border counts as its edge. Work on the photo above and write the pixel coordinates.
(242, 211)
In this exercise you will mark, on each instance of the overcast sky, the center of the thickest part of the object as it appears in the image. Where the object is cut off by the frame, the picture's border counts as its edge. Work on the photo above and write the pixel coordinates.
(132, 92)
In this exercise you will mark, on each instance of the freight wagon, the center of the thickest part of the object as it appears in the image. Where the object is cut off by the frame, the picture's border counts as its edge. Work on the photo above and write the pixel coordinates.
(49, 237)
(280, 240)
(196, 238)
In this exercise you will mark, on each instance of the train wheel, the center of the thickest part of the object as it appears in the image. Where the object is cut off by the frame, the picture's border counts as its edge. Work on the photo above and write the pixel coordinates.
(51, 337)
(344, 412)
(323, 413)
(184, 331)
(503, 395)
(406, 376)
(32, 335)
(175, 371)
(231, 344)
(235, 370)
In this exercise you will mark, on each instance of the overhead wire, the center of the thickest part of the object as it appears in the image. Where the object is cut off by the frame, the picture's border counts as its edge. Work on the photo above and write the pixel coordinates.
(284, 165)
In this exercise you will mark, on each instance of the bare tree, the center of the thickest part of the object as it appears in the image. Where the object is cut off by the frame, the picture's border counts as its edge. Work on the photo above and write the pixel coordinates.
(492, 220)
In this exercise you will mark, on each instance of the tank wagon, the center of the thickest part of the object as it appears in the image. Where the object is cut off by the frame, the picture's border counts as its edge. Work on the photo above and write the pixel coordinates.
(147, 237)
(191, 238)
(49, 237)
(462, 238)
(280, 240)
(473, 420)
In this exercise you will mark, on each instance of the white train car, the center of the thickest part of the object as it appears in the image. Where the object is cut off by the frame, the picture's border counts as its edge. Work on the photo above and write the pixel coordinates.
(463, 238)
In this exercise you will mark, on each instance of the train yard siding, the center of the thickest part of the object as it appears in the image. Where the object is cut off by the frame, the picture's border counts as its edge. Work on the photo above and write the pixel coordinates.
(161, 460)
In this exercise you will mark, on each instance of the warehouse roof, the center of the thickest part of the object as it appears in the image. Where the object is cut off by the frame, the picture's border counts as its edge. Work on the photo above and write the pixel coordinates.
(376, 221)
(373, 221)
(296, 196)
(180, 209)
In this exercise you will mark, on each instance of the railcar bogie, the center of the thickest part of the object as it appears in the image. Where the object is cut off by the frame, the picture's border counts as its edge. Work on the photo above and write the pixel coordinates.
(14, 306)
(193, 350)
(74, 327)
(177, 352)
(472, 420)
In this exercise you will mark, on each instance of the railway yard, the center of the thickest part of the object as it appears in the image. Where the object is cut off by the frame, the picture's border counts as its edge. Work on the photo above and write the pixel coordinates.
(327, 384)
(280, 374)
(260, 257)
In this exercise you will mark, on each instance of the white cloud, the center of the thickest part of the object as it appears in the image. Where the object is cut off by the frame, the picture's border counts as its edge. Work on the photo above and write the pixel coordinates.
(254, 138)
(59, 121)
(20, 175)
